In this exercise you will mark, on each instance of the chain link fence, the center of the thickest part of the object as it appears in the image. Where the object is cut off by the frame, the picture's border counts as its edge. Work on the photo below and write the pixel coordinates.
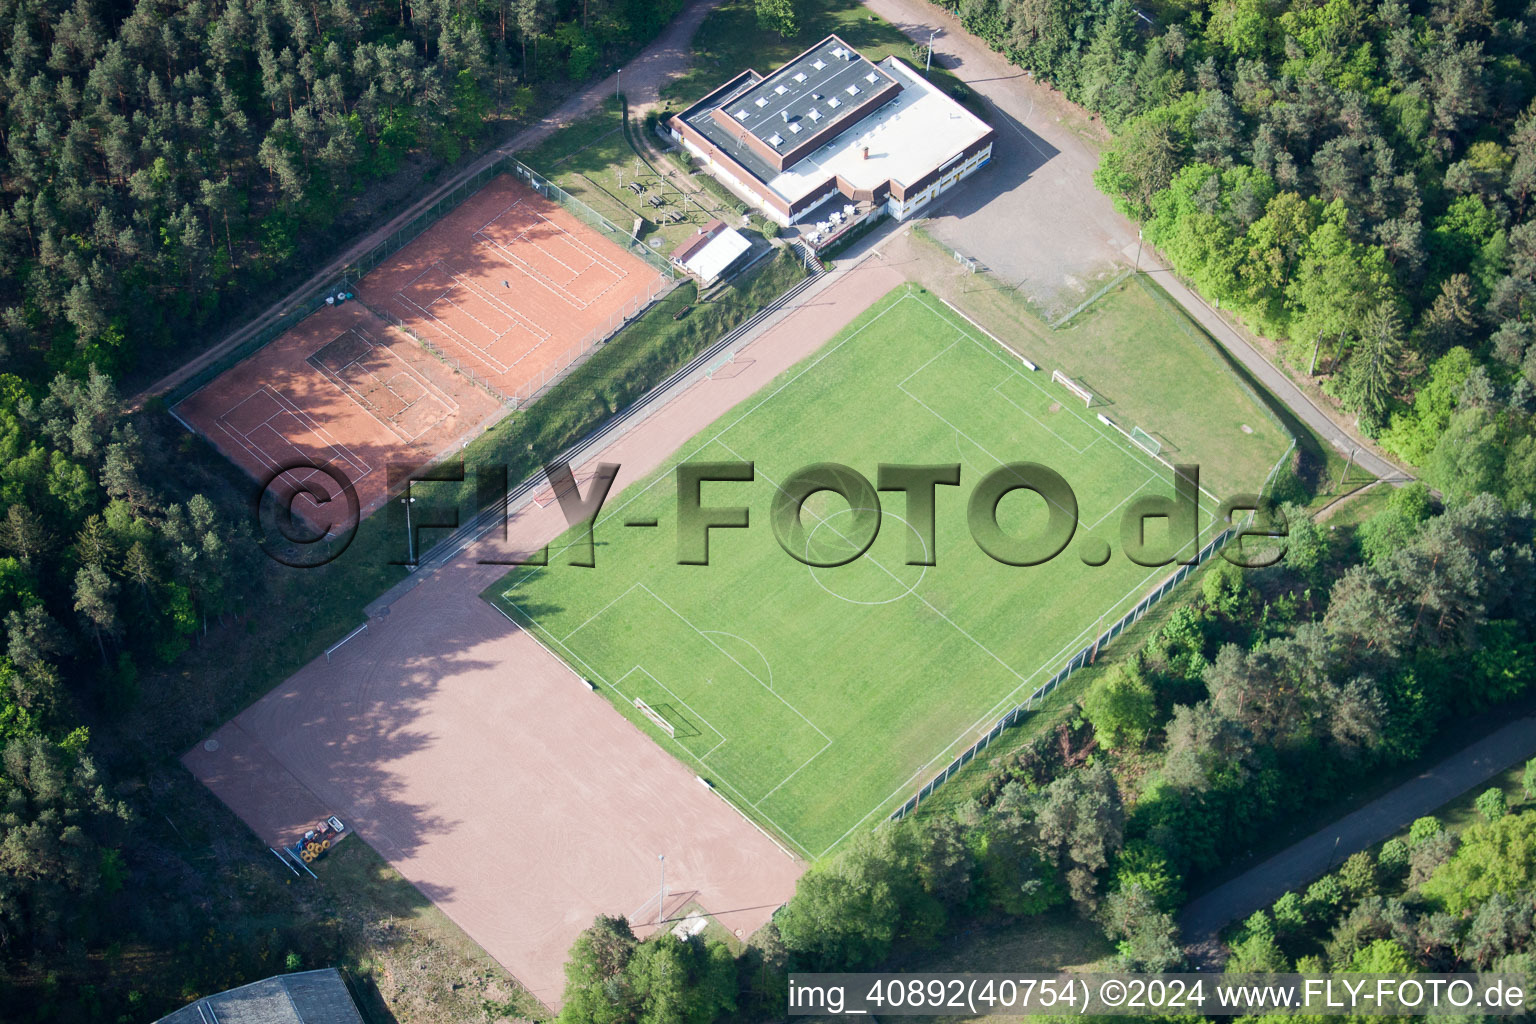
(403, 236)
(1085, 655)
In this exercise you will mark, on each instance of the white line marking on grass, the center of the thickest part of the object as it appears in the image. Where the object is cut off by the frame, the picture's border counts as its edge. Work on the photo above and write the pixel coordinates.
(928, 604)
(732, 657)
(532, 628)
(1000, 352)
(1007, 700)
(997, 390)
(756, 804)
(690, 707)
(766, 664)
(945, 420)
(930, 361)
(792, 774)
(595, 614)
(1149, 481)
(706, 442)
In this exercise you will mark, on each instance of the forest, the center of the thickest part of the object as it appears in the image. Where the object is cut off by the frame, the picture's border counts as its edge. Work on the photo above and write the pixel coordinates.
(167, 168)
(1353, 179)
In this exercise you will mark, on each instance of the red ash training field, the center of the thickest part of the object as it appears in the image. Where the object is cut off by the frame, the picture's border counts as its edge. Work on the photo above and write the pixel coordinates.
(480, 767)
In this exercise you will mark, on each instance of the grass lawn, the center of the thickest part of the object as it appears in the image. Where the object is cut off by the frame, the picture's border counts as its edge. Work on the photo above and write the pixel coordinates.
(819, 699)
(1045, 944)
(593, 161)
(1148, 364)
(1462, 811)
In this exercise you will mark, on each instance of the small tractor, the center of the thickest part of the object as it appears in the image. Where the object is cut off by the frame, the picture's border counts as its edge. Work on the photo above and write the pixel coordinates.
(319, 839)
(313, 845)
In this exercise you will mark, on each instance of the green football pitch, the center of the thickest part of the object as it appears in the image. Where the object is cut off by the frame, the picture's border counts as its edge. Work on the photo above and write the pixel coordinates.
(819, 699)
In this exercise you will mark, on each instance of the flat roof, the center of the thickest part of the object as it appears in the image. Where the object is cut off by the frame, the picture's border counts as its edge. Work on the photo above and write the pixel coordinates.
(917, 132)
(814, 92)
(700, 117)
(308, 997)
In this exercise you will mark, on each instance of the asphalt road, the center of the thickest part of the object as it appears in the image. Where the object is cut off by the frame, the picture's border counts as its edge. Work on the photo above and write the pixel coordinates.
(1300, 864)
(1035, 219)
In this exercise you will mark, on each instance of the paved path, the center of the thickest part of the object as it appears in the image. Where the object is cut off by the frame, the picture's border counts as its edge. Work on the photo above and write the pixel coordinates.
(1043, 217)
(668, 56)
(1314, 856)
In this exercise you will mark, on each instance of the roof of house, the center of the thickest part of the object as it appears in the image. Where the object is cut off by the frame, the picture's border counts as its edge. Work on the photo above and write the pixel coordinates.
(696, 241)
(717, 254)
(914, 131)
(308, 997)
(701, 118)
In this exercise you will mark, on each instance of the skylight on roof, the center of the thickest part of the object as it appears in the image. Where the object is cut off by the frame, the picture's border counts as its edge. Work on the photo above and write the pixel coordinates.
(871, 78)
(853, 90)
(761, 102)
(818, 64)
(799, 76)
(838, 52)
(795, 129)
(741, 115)
(775, 139)
(780, 90)
(814, 115)
(834, 102)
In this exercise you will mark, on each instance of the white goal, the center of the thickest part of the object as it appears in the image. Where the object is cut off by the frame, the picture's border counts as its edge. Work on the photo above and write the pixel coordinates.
(1073, 386)
(655, 716)
(1149, 443)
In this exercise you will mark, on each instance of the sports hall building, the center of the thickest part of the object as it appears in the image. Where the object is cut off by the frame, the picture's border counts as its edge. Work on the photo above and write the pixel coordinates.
(833, 126)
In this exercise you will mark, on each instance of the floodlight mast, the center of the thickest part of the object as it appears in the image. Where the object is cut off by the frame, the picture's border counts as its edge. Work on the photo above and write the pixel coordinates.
(410, 536)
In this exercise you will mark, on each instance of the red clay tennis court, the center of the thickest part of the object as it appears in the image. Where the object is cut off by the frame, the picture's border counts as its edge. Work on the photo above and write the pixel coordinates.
(512, 287)
(487, 305)
(342, 389)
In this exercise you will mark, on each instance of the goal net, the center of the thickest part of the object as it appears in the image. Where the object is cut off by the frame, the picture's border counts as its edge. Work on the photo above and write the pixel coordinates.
(655, 716)
(1147, 441)
(1073, 386)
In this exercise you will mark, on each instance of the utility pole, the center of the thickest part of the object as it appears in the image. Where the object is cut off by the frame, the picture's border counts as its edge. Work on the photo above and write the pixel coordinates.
(1138, 250)
(929, 66)
(1349, 462)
